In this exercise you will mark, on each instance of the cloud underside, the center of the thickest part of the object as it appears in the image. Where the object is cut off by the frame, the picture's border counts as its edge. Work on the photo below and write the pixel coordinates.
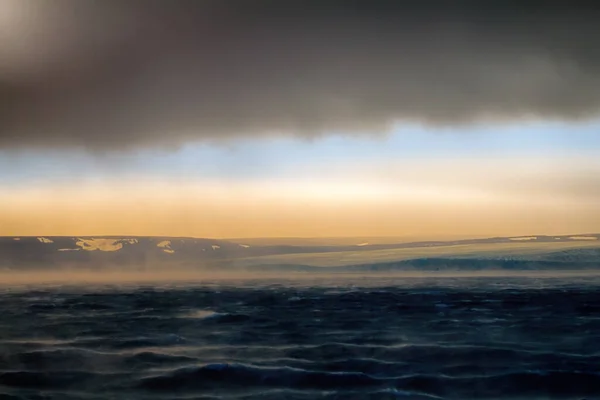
(130, 73)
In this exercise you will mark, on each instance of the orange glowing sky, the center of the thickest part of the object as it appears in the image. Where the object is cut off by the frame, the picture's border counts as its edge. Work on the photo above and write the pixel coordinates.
(421, 197)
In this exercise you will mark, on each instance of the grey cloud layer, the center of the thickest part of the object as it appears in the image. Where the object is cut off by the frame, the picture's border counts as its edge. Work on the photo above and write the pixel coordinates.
(124, 73)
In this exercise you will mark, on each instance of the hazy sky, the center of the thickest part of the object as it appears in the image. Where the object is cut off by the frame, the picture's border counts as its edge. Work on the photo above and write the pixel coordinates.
(300, 118)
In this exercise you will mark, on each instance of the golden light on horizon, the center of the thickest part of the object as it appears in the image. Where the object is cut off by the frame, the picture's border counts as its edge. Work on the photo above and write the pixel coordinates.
(272, 209)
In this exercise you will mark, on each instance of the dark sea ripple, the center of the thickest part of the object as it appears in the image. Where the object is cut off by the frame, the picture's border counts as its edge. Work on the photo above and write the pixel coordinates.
(467, 338)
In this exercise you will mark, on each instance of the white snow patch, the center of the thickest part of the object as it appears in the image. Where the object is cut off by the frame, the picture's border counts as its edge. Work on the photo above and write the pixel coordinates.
(524, 238)
(215, 247)
(557, 238)
(583, 238)
(130, 241)
(100, 244)
(69, 249)
(244, 246)
(45, 240)
(16, 238)
(166, 246)
(363, 244)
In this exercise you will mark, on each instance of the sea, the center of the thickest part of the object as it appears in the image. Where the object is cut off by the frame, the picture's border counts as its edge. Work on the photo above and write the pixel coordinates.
(313, 338)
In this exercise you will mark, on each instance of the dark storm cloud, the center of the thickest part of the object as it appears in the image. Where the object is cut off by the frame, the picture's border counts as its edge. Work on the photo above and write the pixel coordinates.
(120, 73)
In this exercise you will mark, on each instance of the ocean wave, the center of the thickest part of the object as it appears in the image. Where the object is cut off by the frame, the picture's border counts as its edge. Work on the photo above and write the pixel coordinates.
(527, 383)
(215, 375)
(47, 379)
(170, 339)
(53, 360)
(439, 353)
(307, 394)
(261, 343)
(200, 314)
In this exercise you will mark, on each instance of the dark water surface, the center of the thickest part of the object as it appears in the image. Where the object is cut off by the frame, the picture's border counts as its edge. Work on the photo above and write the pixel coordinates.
(467, 338)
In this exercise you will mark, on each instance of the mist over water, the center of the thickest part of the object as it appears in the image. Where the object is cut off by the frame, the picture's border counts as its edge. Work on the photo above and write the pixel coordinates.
(193, 276)
(302, 337)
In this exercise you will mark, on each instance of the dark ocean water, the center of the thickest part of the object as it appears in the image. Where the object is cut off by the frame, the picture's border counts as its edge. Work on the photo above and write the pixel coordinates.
(467, 338)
